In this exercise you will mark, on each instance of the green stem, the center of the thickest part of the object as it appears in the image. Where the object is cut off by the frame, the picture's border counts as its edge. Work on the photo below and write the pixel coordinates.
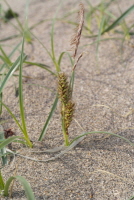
(57, 66)
(29, 143)
(2, 185)
(65, 133)
(21, 102)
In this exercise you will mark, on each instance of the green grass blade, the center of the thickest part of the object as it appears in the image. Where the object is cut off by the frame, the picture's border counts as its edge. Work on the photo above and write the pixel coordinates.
(8, 141)
(43, 66)
(61, 56)
(21, 90)
(101, 40)
(52, 48)
(27, 33)
(48, 119)
(103, 132)
(4, 61)
(12, 52)
(9, 38)
(3, 151)
(72, 81)
(38, 23)
(5, 57)
(21, 104)
(13, 116)
(42, 45)
(116, 22)
(52, 39)
(2, 185)
(25, 184)
(99, 36)
(11, 71)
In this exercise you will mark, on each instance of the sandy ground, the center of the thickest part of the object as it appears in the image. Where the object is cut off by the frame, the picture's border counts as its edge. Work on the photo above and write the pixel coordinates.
(101, 167)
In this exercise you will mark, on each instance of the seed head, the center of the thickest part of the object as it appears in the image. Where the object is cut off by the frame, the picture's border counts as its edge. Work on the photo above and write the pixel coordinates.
(64, 89)
(76, 38)
(69, 112)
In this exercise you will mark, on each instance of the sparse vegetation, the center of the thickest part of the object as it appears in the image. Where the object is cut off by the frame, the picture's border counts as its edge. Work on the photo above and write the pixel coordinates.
(106, 22)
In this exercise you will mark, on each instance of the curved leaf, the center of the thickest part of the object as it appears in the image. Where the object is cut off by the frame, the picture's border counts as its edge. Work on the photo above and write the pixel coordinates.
(92, 132)
(43, 66)
(11, 71)
(61, 56)
(25, 184)
(8, 141)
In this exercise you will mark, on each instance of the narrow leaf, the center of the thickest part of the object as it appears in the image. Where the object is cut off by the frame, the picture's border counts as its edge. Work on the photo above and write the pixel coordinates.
(8, 141)
(3, 150)
(21, 103)
(6, 58)
(48, 119)
(12, 52)
(43, 66)
(2, 185)
(103, 132)
(11, 71)
(28, 191)
(13, 116)
(61, 56)
(116, 22)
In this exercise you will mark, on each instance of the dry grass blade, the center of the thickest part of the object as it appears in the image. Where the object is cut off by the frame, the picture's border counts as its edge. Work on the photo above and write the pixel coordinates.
(76, 38)
(77, 61)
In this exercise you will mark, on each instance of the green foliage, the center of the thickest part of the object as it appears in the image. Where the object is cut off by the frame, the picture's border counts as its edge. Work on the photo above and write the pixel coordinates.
(105, 21)
(28, 191)
(101, 12)
(4, 186)
(44, 130)
(3, 150)
(21, 104)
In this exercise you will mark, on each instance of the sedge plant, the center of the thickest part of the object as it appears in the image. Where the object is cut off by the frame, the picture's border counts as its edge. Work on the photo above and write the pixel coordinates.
(65, 87)
(65, 90)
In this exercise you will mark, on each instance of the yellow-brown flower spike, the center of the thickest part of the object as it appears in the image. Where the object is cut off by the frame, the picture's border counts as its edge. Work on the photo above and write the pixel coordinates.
(67, 106)
(69, 112)
(64, 90)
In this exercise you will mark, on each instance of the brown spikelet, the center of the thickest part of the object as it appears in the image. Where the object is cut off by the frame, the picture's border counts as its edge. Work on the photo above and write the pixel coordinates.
(69, 112)
(64, 89)
(76, 62)
(76, 38)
